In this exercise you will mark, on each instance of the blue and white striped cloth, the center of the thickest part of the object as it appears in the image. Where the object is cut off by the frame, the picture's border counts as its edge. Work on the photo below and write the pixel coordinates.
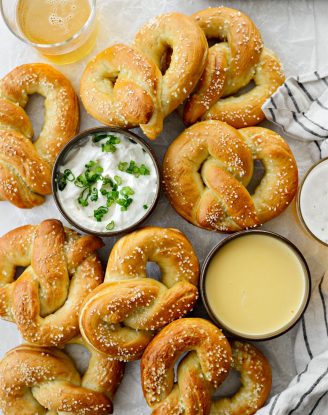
(307, 394)
(300, 108)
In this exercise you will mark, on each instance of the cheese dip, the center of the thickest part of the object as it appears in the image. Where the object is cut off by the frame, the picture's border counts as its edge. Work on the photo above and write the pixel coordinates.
(107, 182)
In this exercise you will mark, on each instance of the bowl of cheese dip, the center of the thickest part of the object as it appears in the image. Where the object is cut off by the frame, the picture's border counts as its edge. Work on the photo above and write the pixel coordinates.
(106, 181)
(255, 285)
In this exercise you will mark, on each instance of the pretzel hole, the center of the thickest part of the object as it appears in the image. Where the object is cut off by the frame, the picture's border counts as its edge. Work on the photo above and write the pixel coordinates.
(229, 387)
(258, 174)
(35, 111)
(153, 271)
(80, 355)
(166, 59)
(18, 272)
(251, 85)
(214, 40)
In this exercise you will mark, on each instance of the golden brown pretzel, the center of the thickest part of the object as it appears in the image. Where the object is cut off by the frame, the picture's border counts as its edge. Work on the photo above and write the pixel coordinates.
(231, 65)
(25, 166)
(120, 316)
(207, 168)
(123, 85)
(61, 268)
(199, 373)
(256, 380)
(35, 380)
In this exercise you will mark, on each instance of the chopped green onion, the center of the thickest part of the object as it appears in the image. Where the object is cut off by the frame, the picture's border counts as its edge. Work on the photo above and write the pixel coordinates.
(127, 191)
(124, 203)
(100, 213)
(98, 137)
(110, 145)
(67, 176)
(118, 180)
(94, 195)
(145, 206)
(110, 226)
(133, 168)
(84, 196)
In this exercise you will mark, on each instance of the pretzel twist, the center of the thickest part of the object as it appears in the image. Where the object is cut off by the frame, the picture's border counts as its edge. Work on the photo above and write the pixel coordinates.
(61, 268)
(207, 170)
(120, 316)
(35, 380)
(231, 65)
(199, 373)
(124, 86)
(25, 166)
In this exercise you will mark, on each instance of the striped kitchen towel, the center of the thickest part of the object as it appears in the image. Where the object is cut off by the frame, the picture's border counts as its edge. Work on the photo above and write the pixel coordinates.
(300, 108)
(307, 394)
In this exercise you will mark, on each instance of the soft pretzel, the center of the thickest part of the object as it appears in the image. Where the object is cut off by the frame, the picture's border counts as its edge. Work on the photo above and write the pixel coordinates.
(61, 268)
(256, 381)
(123, 86)
(25, 166)
(199, 373)
(35, 380)
(231, 65)
(208, 167)
(120, 316)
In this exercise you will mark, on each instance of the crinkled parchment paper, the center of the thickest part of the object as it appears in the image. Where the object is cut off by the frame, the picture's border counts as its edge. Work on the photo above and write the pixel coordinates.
(297, 32)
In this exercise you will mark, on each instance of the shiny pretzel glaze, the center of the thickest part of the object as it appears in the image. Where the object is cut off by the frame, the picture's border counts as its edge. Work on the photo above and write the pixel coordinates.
(120, 316)
(61, 268)
(201, 371)
(25, 166)
(207, 168)
(35, 380)
(231, 65)
(123, 85)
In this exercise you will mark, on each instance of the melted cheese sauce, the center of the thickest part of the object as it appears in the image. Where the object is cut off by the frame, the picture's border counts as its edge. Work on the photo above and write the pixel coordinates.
(313, 202)
(256, 286)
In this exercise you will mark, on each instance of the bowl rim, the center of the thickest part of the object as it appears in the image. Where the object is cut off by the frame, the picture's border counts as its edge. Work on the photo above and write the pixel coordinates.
(298, 200)
(130, 135)
(230, 332)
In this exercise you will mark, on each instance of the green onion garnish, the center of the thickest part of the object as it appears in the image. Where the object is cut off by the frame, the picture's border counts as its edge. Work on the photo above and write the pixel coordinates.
(145, 206)
(127, 191)
(124, 203)
(110, 226)
(118, 180)
(84, 196)
(110, 145)
(133, 168)
(67, 176)
(100, 213)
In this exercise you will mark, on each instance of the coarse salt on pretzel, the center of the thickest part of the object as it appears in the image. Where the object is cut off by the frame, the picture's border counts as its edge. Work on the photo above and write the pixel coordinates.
(231, 65)
(25, 166)
(120, 316)
(207, 170)
(35, 380)
(61, 268)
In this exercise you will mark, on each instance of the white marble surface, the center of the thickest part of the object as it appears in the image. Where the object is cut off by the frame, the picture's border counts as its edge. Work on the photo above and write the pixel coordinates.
(296, 31)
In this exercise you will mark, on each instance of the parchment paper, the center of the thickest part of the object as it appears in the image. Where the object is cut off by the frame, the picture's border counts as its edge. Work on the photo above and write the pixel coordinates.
(297, 32)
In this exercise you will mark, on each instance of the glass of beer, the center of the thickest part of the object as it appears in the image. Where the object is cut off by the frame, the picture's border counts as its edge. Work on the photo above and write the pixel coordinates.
(62, 30)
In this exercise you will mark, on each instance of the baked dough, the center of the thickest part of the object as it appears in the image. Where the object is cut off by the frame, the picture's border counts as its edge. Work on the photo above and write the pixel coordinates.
(207, 170)
(25, 166)
(120, 317)
(232, 64)
(61, 269)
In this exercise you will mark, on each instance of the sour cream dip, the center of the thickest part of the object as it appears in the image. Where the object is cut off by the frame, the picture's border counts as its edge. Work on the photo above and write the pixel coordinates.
(106, 181)
(313, 201)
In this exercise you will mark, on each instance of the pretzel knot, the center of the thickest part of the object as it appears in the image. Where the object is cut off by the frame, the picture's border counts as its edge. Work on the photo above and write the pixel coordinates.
(25, 166)
(119, 317)
(231, 65)
(35, 380)
(201, 371)
(124, 85)
(61, 268)
(207, 170)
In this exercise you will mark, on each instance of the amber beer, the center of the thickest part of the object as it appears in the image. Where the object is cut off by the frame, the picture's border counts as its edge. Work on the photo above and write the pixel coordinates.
(65, 25)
